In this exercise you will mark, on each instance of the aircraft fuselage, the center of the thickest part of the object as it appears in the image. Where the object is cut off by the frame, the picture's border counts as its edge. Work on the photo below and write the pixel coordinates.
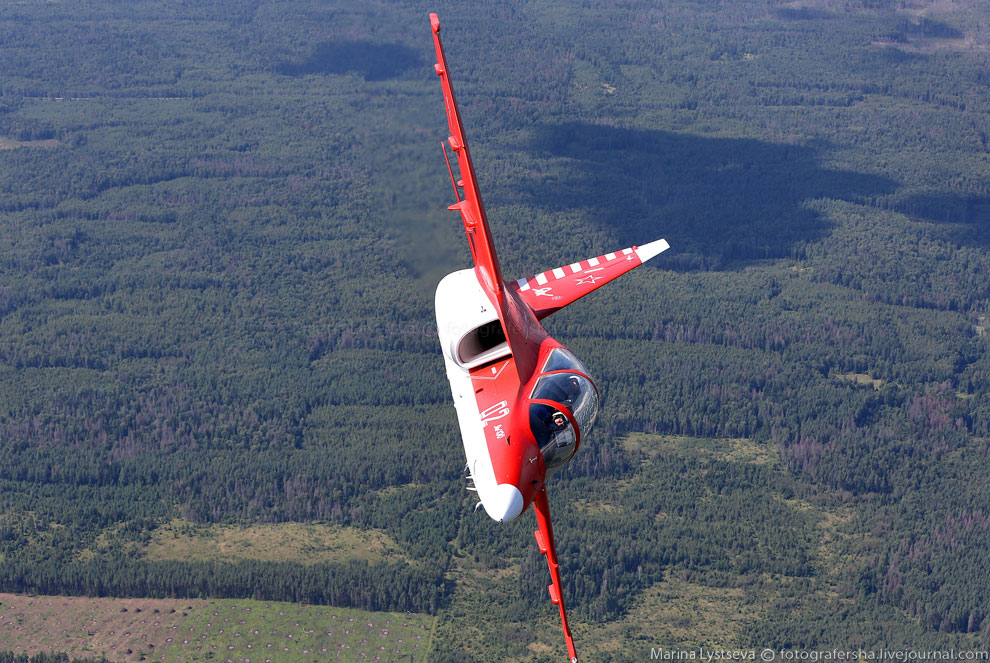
(491, 386)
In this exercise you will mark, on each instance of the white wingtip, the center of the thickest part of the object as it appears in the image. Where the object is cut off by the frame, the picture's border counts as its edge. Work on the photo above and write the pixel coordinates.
(652, 249)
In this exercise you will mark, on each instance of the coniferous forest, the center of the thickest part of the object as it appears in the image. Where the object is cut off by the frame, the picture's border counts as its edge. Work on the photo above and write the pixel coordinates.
(222, 224)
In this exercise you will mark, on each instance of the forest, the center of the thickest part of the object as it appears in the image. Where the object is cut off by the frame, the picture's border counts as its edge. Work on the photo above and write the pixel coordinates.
(223, 223)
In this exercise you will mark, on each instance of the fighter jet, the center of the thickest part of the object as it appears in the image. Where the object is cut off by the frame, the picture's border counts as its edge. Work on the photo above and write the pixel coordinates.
(524, 402)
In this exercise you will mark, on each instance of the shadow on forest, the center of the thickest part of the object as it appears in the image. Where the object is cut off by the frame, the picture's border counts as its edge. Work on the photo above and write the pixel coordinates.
(970, 213)
(375, 62)
(715, 199)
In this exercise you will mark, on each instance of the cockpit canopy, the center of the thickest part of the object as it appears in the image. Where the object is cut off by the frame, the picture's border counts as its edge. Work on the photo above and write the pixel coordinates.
(560, 400)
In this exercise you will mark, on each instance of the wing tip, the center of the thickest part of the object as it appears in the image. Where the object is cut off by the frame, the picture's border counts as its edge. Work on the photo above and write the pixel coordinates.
(435, 23)
(652, 249)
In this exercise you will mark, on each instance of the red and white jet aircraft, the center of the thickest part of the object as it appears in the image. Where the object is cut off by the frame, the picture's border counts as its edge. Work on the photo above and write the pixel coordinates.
(524, 402)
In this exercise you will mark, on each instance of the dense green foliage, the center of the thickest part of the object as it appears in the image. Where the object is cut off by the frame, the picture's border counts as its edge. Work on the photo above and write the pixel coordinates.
(354, 583)
(222, 224)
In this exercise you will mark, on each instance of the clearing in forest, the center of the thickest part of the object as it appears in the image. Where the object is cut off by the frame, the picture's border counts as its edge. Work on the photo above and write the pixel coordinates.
(192, 630)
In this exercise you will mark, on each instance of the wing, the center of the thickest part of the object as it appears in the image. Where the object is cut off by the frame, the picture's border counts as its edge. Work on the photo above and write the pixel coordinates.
(471, 209)
(552, 290)
(544, 539)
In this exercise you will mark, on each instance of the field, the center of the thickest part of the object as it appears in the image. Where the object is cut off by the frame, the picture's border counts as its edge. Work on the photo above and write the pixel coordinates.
(192, 630)
(307, 543)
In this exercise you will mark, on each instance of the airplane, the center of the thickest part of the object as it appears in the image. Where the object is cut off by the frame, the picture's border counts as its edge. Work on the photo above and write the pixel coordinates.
(524, 402)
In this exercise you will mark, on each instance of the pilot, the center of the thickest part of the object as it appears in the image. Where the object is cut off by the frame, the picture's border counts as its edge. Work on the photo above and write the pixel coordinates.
(573, 389)
(559, 422)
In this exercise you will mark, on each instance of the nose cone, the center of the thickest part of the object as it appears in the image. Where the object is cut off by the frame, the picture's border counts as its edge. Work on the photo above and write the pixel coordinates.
(503, 503)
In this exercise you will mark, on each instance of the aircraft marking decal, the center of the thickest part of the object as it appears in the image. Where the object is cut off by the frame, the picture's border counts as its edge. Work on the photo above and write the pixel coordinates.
(496, 371)
(494, 412)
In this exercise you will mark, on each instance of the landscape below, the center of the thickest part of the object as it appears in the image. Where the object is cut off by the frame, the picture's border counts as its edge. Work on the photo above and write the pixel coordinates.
(220, 386)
